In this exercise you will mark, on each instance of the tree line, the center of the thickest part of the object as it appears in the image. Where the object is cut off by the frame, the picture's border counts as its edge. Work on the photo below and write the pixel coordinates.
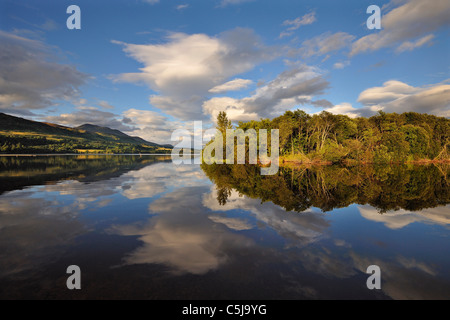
(383, 138)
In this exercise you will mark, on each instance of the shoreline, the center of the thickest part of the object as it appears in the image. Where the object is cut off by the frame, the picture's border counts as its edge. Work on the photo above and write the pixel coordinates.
(285, 163)
(82, 154)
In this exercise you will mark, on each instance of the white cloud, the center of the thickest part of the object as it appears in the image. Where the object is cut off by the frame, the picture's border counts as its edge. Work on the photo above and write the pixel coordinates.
(225, 3)
(344, 108)
(151, 126)
(89, 115)
(324, 44)
(233, 85)
(411, 20)
(181, 7)
(390, 91)
(341, 65)
(183, 70)
(151, 1)
(399, 97)
(295, 24)
(105, 104)
(290, 88)
(396, 96)
(155, 127)
(81, 102)
(30, 78)
(235, 109)
(409, 46)
(145, 117)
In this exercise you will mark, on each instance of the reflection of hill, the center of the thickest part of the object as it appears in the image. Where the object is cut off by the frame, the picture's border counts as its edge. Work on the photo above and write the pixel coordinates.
(20, 172)
(327, 187)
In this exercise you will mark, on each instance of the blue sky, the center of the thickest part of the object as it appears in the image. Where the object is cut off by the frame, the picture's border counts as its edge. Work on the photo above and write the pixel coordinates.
(150, 67)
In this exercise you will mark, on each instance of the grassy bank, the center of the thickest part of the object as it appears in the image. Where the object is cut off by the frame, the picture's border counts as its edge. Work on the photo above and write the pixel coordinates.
(303, 160)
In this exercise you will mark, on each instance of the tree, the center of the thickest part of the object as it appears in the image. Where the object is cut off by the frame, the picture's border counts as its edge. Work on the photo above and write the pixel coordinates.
(223, 123)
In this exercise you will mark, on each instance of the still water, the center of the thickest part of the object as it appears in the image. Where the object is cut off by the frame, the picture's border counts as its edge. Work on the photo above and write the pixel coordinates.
(140, 227)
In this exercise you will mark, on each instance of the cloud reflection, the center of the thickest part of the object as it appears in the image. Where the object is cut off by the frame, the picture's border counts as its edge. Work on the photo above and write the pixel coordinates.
(38, 223)
(33, 231)
(406, 278)
(301, 229)
(182, 236)
(401, 218)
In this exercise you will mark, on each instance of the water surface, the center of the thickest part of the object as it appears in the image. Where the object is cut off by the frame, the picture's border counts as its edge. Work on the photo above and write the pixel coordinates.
(140, 227)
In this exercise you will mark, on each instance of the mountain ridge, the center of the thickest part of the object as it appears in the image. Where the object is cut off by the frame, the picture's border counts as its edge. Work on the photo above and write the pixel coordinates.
(20, 134)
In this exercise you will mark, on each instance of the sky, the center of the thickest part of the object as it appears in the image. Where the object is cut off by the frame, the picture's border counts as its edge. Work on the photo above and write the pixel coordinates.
(149, 67)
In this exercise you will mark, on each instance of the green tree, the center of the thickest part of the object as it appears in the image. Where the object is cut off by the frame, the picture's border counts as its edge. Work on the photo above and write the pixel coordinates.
(223, 123)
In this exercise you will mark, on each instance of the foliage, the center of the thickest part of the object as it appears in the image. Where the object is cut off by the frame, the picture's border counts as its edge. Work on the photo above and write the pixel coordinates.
(383, 138)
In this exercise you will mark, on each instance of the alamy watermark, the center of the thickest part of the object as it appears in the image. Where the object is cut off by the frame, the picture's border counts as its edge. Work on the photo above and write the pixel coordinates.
(374, 281)
(374, 21)
(228, 147)
(74, 281)
(74, 20)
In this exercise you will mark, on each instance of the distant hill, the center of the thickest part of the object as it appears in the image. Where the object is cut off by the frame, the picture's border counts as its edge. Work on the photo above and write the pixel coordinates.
(122, 136)
(18, 135)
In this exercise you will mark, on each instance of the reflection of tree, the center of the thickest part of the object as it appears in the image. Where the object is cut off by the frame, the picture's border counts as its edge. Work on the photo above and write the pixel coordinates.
(327, 187)
(222, 195)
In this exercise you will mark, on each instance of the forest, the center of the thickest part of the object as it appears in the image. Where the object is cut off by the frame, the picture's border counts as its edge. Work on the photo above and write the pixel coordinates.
(329, 138)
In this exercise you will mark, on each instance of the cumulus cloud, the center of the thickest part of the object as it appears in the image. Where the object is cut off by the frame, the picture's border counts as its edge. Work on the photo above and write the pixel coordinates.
(30, 77)
(403, 25)
(184, 69)
(391, 90)
(292, 87)
(397, 96)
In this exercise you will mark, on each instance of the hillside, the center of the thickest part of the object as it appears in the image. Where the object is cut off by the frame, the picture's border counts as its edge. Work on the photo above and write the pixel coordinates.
(18, 135)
